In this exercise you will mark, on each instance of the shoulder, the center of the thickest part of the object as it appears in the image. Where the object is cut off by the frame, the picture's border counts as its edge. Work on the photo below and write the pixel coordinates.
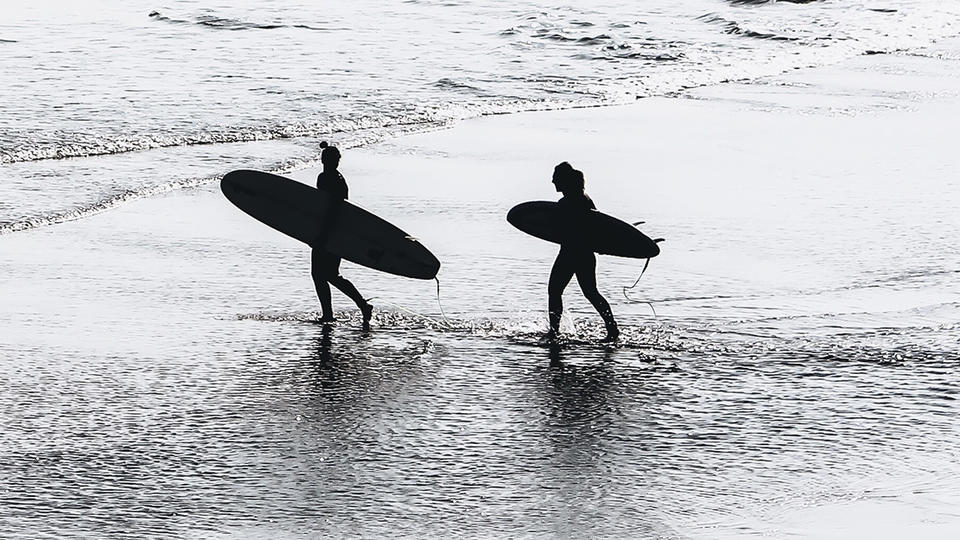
(588, 202)
(577, 201)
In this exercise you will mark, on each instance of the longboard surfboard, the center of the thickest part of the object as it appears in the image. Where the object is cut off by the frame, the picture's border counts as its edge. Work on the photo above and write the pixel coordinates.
(303, 212)
(602, 233)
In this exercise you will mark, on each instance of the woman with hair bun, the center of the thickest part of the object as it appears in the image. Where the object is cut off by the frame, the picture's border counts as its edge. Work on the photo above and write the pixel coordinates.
(575, 257)
(325, 266)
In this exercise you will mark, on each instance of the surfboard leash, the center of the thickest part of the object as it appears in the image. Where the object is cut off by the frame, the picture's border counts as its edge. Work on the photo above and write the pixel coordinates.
(631, 300)
(445, 322)
(635, 283)
(410, 312)
(645, 265)
(439, 304)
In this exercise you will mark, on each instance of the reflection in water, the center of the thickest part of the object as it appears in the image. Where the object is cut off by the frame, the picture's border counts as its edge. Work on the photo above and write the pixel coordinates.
(294, 429)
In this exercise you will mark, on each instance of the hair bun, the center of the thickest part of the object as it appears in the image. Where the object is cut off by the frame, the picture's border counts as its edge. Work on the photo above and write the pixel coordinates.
(323, 144)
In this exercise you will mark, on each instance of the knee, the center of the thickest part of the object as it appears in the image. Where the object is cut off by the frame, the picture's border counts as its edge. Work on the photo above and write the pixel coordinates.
(592, 294)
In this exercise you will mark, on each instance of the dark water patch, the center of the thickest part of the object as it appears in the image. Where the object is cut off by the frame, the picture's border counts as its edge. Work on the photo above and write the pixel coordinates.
(647, 56)
(622, 25)
(553, 35)
(594, 40)
(222, 23)
(561, 36)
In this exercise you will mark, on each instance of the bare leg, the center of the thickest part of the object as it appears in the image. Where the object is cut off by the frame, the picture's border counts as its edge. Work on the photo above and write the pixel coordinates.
(560, 276)
(347, 288)
(326, 272)
(587, 278)
(320, 283)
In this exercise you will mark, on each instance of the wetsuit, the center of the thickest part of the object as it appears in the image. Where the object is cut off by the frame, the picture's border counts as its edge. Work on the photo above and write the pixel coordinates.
(576, 257)
(325, 266)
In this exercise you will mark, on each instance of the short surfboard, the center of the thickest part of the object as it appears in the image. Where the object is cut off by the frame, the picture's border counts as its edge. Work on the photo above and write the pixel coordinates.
(602, 233)
(302, 211)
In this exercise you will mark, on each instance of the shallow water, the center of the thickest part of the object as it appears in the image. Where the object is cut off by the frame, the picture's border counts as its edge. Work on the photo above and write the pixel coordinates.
(164, 375)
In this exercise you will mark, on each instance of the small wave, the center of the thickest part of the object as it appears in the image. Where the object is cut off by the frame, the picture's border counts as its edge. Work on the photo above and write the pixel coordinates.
(83, 145)
(732, 27)
(114, 200)
(908, 277)
(594, 40)
(7, 40)
(98, 206)
(457, 86)
(553, 36)
(225, 23)
(655, 57)
(366, 129)
(936, 55)
(560, 36)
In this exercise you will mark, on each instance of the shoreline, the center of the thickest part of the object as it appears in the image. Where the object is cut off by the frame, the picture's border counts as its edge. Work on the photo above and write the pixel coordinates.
(303, 152)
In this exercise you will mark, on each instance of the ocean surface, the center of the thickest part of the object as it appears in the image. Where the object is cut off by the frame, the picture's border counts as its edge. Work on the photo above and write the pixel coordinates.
(788, 366)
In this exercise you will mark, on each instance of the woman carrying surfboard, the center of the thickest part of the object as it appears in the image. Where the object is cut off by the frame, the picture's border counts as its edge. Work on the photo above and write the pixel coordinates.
(325, 266)
(575, 257)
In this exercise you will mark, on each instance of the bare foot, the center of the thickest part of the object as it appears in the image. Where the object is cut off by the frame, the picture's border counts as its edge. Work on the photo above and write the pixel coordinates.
(367, 311)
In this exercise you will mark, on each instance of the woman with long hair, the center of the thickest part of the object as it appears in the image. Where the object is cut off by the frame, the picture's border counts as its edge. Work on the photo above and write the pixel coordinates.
(575, 257)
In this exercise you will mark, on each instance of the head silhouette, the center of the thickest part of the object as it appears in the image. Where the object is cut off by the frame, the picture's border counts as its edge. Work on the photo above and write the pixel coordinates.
(567, 179)
(330, 157)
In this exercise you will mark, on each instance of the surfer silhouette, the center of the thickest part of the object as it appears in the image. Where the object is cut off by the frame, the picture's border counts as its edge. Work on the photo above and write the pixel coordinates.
(575, 257)
(325, 266)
